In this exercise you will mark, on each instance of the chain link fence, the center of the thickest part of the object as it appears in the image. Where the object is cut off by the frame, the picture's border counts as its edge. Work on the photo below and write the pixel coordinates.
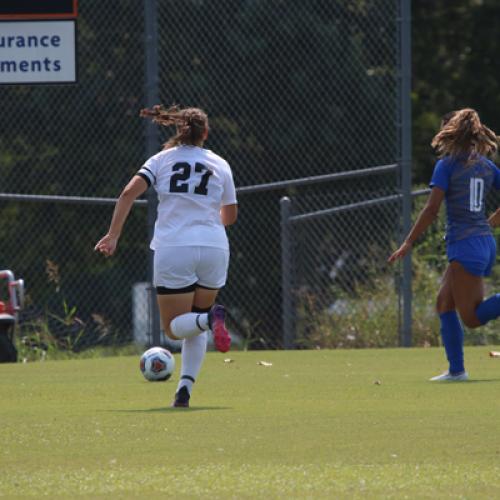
(293, 89)
(77, 140)
(343, 291)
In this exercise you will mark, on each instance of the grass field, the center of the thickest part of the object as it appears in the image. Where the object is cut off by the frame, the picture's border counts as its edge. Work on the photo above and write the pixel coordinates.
(315, 424)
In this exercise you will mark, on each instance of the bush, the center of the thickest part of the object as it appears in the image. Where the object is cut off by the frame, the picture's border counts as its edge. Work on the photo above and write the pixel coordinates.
(369, 315)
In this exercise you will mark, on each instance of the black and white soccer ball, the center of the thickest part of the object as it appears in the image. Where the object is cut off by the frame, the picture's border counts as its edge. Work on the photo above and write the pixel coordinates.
(157, 364)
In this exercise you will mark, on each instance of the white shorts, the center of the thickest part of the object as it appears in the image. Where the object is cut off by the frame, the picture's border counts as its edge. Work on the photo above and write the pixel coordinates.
(184, 266)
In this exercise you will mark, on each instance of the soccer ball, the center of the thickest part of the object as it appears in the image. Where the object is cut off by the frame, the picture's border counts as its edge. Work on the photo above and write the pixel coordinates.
(157, 364)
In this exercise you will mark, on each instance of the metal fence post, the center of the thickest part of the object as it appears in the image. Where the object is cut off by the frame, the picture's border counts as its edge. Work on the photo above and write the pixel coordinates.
(286, 275)
(406, 146)
(152, 146)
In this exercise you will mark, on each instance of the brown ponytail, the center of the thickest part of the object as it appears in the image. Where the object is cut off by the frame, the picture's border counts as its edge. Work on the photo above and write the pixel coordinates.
(463, 135)
(191, 124)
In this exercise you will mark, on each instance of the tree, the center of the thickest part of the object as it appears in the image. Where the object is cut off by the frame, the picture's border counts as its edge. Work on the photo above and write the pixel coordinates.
(455, 54)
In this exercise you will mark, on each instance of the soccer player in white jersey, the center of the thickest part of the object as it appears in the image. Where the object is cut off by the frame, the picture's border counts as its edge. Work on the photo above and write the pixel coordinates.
(197, 199)
(463, 176)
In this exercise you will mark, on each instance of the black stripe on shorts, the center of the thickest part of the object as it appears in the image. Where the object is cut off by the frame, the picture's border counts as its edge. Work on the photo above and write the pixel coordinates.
(161, 290)
(205, 287)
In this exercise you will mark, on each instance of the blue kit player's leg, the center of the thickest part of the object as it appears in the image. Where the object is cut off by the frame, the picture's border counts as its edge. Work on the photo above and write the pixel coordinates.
(490, 308)
(470, 260)
(478, 257)
(452, 333)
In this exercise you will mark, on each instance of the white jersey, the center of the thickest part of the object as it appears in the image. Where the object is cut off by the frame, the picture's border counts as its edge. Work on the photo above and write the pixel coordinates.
(192, 185)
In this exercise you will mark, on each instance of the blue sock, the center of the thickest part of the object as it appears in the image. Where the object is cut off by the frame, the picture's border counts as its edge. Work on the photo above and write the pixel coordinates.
(453, 339)
(488, 309)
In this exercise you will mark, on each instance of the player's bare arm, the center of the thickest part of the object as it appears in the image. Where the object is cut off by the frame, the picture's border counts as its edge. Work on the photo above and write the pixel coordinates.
(494, 218)
(426, 217)
(229, 214)
(136, 187)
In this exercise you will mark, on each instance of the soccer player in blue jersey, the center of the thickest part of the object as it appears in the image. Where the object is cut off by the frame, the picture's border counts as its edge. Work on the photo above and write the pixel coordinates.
(463, 176)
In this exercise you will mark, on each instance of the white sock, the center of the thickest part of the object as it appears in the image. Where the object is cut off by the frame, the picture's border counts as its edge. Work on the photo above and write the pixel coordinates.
(189, 325)
(193, 353)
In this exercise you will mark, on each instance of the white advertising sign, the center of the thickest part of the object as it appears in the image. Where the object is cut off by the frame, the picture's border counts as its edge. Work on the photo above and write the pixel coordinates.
(37, 52)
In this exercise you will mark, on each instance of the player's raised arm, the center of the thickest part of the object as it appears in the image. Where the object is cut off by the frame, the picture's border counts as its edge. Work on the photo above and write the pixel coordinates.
(107, 244)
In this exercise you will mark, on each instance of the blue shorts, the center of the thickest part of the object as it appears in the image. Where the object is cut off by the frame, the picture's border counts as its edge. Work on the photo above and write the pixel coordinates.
(477, 254)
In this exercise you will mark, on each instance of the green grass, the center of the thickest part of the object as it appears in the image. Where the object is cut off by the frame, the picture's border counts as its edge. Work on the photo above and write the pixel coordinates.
(315, 424)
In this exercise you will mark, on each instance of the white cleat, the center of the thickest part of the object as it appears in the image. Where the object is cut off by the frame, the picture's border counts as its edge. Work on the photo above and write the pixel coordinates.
(448, 377)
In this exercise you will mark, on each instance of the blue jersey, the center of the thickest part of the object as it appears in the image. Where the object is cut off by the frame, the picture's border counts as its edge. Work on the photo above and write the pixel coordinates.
(466, 187)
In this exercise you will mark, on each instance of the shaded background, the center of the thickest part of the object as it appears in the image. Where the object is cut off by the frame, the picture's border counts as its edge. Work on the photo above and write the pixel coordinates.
(292, 89)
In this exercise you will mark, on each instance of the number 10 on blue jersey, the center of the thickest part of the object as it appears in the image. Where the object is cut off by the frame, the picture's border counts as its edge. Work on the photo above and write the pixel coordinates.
(476, 194)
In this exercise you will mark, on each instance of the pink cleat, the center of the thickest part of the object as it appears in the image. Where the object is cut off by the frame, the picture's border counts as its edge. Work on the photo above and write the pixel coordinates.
(216, 318)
